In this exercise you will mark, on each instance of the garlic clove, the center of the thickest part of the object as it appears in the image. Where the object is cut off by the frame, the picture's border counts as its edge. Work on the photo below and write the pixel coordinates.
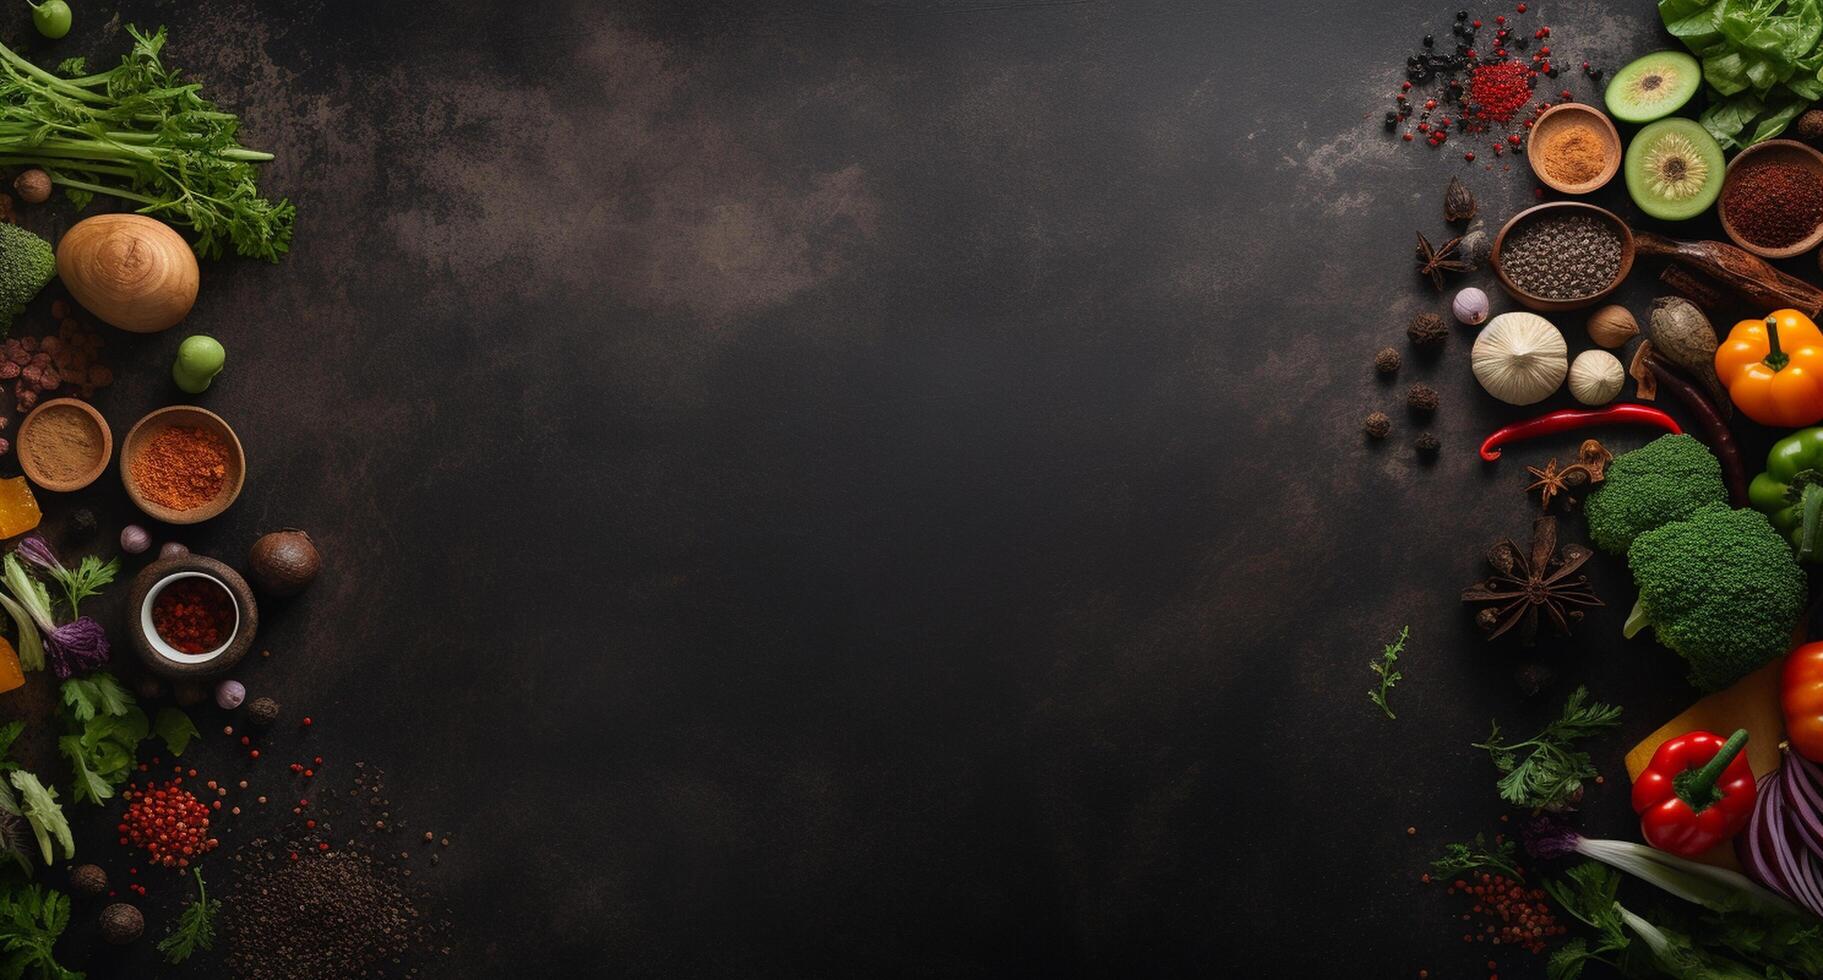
(1520, 358)
(1596, 377)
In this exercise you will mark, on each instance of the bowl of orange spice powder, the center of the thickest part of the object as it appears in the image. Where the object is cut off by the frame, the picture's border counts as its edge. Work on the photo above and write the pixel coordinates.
(182, 464)
(1574, 148)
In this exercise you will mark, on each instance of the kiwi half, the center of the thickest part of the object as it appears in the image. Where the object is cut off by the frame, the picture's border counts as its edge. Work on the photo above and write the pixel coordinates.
(1653, 86)
(1674, 169)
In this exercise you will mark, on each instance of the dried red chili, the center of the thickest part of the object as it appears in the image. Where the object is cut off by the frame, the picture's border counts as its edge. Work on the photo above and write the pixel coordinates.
(195, 615)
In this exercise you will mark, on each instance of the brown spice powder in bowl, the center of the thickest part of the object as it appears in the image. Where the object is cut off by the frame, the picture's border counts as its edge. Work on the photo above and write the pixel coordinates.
(63, 446)
(181, 467)
(1575, 154)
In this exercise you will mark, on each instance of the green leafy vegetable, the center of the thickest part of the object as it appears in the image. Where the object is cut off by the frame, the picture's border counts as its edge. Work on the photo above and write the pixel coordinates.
(31, 919)
(1550, 772)
(195, 927)
(104, 732)
(175, 728)
(87, 579)
(98, 694)
(43, 813)
(1761, 60)
(1388, 676)
(141, 133)
(1457, 858)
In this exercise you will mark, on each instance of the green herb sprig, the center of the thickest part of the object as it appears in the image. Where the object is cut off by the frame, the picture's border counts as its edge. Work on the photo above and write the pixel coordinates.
(1388, 676)
(195, 928)
(87, 579)
(1457, 858)
(31, 919)
(1544, 770)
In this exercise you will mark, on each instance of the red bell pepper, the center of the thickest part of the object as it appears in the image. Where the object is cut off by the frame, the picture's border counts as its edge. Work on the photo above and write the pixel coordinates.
(1697, 792)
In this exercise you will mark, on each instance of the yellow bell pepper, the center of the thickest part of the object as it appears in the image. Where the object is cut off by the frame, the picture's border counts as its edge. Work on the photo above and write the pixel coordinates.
(1773, 369)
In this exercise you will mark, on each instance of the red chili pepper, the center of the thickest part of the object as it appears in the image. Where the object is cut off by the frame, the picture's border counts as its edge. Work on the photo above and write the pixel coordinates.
(1575, 418)
(1697, 792)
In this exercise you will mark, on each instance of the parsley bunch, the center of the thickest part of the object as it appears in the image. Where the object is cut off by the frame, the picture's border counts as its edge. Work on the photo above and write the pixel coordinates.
(140, 133)
(1550, 772)
(31, 919)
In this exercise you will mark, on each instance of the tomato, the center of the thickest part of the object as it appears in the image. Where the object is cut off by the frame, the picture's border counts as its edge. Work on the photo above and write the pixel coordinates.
(1801, 695)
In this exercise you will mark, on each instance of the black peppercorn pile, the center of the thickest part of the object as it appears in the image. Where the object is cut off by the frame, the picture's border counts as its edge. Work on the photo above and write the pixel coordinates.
(1562, 257)
(340, 914)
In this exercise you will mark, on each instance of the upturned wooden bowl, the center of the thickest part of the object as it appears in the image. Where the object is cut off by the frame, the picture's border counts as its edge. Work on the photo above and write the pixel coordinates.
(35, 468)
(167, 661)
(1540, 303)
(1780, 151)
(1560, 117)
(188, 416)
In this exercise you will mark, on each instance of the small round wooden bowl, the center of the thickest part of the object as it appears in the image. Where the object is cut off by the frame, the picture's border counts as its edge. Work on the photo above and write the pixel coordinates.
(1540, 303)
(167, 661)
(188, 416)
(1781, 151)
(1559, 117)
(34, 467)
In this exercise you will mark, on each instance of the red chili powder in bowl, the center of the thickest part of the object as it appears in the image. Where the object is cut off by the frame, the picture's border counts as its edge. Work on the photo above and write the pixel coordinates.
(1774, 204)
(181, 468)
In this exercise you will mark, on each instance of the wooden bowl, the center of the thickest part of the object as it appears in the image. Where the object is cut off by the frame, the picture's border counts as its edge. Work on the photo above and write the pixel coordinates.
(1540, 303)
(188, 416)
(1782, 151)
(167, 661)
(1560, 117)
(35, 468)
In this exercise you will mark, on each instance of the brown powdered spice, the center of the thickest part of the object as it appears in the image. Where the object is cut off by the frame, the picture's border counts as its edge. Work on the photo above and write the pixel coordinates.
(181, 468)
(1574, 154)
(63, 442)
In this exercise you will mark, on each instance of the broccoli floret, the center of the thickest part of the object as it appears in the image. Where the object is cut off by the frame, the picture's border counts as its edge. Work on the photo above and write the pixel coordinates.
(1721, 589)
(26, 264)
(1665, 480)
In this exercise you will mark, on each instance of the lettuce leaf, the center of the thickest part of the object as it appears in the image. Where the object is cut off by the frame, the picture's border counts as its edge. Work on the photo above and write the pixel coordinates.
(1762, 61)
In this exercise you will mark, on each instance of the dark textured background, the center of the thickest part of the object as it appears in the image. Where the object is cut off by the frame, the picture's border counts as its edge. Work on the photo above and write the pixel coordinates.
(872, 488)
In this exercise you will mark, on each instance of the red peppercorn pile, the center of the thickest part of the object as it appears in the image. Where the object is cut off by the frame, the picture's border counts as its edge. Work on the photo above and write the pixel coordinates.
(1773, 204)
(1507, 913)
(1485, 87)
(194, 615)
(167, 822)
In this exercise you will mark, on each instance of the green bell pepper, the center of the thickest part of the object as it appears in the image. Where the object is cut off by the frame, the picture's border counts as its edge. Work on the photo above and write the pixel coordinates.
(1790, 492)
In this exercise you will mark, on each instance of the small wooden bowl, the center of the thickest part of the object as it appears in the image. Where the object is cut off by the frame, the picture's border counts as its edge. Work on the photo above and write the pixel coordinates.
(35, 468)
(1559, 117)
(1540, 303)
(191, 417)
(1781, 151)
(167, 661)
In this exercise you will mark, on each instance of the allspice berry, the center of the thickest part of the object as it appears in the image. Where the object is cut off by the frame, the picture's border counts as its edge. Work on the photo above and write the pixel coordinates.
(1386, 361)
(1427, 444)
(89, 879)
(1377, 425)
(1809, 126)
(121, 924)
(34, 186)
(1422, 398)
(1427, 331)
(262, 711)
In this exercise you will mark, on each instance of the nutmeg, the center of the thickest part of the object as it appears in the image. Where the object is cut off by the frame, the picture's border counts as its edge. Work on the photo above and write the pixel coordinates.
(1612, 326)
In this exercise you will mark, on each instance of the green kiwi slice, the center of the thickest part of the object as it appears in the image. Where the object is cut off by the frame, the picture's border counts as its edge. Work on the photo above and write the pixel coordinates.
(1674, 169)
(1653, 86)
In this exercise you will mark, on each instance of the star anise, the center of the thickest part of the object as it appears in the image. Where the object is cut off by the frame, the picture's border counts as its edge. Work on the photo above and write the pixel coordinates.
(1524, 583)
(1435, 261)
(1590, 468)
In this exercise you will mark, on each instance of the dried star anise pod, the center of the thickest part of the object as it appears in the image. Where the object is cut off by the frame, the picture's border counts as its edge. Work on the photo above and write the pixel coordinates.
(1590, 468)
(1434, 261)
(1526, 582)
(1458, 203)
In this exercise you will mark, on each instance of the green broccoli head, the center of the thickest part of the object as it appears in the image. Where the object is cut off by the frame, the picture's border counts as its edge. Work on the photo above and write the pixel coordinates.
(1665, 480)
(26, 264)
(1721, 589)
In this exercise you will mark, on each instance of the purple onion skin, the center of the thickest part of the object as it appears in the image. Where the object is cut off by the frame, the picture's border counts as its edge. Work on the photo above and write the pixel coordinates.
(37, 551)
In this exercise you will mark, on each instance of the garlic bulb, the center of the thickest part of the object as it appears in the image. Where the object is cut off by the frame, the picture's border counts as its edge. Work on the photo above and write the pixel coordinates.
(1520, 358)
(1596, 377)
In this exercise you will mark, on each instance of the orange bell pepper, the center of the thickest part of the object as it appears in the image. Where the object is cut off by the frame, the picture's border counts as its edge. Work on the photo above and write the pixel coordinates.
(1773, 369)
(12, 676)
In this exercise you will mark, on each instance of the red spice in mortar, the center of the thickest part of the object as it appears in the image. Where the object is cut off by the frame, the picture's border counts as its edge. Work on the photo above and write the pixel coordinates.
(195, 615)
(167, 822)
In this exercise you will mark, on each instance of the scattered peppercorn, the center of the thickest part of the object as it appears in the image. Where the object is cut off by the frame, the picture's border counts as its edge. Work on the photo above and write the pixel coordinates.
(1427, 331)
(121, 924)
(262, 711)
(167, 822)
(88, 879)
(1511, 913)
(1427, 443)
(1422, 397)
(1386, 361)
(1376, 426)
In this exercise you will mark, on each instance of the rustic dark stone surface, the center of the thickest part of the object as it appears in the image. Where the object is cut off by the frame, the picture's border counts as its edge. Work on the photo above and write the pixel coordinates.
(870, 488)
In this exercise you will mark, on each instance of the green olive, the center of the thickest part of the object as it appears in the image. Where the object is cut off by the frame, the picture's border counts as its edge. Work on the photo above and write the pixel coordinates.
(199, 360)
(52, 18)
